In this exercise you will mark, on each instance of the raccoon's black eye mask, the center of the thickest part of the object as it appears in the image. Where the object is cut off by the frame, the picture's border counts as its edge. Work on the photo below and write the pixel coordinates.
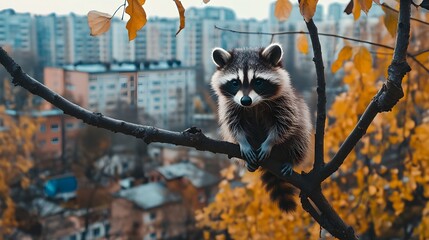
(231, 87)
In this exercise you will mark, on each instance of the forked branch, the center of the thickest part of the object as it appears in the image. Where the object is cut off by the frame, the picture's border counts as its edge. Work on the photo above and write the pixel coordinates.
(309, 184)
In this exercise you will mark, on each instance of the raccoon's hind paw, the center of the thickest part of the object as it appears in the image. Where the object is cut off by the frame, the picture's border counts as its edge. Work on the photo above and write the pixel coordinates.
(287, 169)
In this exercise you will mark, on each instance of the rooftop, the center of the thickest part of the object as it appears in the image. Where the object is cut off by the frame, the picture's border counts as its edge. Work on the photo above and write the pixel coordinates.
(35, 113)
(150, 195)
(199, 178)
(125, 66)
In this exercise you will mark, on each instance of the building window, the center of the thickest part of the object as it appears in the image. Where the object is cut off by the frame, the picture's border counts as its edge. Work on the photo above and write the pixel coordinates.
(152, 215)
(73, 237)
(111, 86)
(125, 166)
(55, 127)
(42, 143)
(124, 85)
(42, 128)
(96, 232)
(55, 140)
(69, 125)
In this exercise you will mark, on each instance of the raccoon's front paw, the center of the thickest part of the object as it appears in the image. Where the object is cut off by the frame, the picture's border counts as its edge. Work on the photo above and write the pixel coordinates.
(264, 151)
(248, 154)
(287, 169)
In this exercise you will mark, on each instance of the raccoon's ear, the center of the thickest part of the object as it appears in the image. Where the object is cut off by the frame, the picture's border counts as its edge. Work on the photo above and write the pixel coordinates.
(220, 57)
(273, 54)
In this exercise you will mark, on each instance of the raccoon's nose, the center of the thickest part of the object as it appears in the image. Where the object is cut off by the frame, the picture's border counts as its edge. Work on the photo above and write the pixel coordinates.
(246, 101)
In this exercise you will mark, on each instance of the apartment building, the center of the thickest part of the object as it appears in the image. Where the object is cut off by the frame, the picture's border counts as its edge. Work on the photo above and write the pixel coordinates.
(165, 92)
(52, 39)
(53, 139)
(17, 30)
(162, 92)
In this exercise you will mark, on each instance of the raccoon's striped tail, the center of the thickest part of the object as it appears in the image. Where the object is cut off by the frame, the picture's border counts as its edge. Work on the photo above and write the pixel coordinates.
(280, 192)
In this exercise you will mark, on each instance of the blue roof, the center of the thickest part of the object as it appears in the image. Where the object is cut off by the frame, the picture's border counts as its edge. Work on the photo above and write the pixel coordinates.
(58, 185)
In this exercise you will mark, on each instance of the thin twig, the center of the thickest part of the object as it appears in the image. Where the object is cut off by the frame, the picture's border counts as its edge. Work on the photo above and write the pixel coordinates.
(412, 56)
(303, 32)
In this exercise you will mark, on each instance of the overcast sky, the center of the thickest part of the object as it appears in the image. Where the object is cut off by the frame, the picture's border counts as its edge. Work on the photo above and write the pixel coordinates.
(165, 8)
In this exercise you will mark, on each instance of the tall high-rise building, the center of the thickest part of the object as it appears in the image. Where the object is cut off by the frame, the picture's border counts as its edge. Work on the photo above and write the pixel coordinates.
(17, 31)
(195, 42)
(157, 40)
(82, 46)
(52, 39)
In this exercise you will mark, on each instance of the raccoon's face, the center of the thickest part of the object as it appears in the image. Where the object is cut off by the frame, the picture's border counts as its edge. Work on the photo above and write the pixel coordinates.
(249, 76)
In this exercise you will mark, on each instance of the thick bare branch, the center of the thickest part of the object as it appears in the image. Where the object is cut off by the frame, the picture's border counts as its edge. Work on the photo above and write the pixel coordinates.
(192, 137)
(321, 96)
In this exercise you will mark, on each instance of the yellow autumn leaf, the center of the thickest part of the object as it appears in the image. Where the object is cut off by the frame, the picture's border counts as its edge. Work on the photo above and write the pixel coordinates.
(336, 65)
(372, 190)
(307, 8)
(356, 9)
(302, 43)
(362, 60)
(344, 55)
(390, 20)
(25, 182)
(282, 10)
(98, 22)
(137, 17)
(423, 58)
(181, 10)
(365, 5)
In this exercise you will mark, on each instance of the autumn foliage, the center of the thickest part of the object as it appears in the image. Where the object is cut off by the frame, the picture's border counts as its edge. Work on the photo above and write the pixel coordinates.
(16, 146)
(382, 188)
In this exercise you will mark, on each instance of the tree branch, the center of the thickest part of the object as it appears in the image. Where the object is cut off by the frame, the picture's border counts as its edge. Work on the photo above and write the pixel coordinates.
(321, 96)
(192, 137)
(387, 96)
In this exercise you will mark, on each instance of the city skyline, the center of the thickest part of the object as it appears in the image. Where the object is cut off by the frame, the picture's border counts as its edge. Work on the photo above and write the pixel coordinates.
(153, 8)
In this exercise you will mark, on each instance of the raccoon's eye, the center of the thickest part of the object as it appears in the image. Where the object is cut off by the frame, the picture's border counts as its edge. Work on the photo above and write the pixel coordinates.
(258, 82)
(235, 83)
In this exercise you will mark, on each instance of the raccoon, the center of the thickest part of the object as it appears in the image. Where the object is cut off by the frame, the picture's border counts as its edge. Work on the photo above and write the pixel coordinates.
(259, 109)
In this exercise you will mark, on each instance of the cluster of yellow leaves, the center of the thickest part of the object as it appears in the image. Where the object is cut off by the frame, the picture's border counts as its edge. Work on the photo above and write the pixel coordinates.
(99, 22)
(381, 177)
(283, 9)
(377, 188)
(245, 216)
(15, 148)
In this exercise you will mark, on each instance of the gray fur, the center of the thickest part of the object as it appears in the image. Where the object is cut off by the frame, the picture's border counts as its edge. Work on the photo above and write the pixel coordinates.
(281, 119)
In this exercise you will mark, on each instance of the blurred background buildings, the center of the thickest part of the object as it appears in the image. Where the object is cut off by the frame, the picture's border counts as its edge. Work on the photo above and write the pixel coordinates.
(116, 186)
